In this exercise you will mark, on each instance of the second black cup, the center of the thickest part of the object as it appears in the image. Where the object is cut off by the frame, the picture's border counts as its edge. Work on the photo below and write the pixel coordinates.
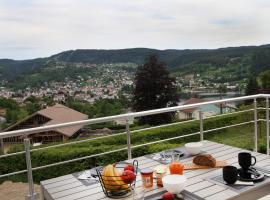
(245, 160)
(230, 174)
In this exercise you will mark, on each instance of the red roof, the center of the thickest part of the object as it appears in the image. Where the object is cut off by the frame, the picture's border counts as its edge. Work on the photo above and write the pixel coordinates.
(192, 101)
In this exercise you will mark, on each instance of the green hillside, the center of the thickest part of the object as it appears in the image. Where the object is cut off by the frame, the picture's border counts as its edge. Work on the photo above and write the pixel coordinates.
(225, 64)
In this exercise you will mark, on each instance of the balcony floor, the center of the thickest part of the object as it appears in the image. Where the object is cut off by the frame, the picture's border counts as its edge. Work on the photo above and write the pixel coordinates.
(15, 190)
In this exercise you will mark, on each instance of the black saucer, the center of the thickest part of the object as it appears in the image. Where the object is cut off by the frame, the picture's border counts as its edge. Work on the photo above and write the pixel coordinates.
(250, 175)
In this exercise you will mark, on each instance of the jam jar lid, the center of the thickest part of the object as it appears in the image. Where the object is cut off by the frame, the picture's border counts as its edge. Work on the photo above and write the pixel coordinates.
(146, 171)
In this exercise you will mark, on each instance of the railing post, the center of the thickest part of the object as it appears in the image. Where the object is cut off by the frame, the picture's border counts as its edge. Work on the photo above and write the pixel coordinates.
(128, 140)
(32, 195)
(255, 126)
(267, 125)
(2, 150)
(201, 124)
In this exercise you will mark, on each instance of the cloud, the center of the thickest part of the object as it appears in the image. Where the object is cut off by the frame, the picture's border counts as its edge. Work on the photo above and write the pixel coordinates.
(51, 26)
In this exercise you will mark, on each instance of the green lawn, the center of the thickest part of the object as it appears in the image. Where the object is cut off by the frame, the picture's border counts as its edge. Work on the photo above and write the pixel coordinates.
(241, 136)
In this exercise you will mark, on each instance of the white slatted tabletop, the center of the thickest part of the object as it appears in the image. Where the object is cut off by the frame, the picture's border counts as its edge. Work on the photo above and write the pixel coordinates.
(70, 188)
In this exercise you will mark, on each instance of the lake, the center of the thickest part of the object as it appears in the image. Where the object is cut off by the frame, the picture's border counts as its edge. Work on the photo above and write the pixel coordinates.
(210, 96)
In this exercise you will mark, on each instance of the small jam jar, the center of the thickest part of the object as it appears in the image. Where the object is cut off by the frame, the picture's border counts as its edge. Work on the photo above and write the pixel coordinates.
(147, 177)
(159, 175)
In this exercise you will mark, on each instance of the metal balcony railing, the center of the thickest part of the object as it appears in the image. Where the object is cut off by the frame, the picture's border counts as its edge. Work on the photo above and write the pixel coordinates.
(127, 117)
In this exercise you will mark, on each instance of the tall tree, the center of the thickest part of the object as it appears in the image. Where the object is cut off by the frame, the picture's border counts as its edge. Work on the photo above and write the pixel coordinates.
(260, 61)
(154, 88)
(265, 81)
(252, 86)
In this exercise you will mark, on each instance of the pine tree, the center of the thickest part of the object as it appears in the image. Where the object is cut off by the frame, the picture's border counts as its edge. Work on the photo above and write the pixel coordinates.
(252, 86)
(265, 81)
(154, 88)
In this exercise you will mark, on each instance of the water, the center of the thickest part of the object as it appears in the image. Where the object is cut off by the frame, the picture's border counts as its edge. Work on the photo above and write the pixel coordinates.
(210, 96)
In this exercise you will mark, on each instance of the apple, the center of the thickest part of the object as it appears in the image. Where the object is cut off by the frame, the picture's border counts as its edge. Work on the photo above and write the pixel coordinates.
(167, 196)
(129, 167)
(128, 176)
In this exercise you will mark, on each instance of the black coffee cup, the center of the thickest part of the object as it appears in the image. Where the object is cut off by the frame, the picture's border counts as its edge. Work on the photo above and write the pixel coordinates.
(230, 174)
(245, 160)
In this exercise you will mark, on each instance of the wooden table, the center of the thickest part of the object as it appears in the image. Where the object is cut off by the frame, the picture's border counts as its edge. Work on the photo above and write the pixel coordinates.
(69, 188)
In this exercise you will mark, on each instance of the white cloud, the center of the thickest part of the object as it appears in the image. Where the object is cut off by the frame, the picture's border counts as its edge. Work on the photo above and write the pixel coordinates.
(37, 28)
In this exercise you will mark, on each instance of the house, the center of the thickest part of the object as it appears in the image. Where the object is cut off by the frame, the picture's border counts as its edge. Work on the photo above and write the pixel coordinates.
(51, 115)
(208, 110)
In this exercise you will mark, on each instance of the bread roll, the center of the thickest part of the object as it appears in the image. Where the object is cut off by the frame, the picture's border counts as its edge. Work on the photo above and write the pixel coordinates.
(204, 160)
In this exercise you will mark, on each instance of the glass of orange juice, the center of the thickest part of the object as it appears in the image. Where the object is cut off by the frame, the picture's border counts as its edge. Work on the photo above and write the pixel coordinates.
(175, 166)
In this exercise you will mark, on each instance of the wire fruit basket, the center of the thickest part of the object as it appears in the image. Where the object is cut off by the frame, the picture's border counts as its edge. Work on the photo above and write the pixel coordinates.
(112, 183)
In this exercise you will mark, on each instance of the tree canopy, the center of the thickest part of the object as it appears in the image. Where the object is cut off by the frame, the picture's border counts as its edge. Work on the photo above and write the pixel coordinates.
(252, 86)
(260, 61)
(154, 89)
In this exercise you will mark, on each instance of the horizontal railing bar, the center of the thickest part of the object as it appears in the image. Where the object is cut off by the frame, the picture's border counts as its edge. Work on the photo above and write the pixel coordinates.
(77, 142)
(164, 125)
(13, 173)
(231, 113)
(78, 159)
(63, 162)
(229, 126)
(12, 154)
(126, 116)
(104, 153)
(107, 136)
(168, 139)
(192, 134)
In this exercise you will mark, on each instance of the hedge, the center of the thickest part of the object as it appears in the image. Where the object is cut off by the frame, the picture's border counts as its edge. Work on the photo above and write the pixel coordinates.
(53, 155)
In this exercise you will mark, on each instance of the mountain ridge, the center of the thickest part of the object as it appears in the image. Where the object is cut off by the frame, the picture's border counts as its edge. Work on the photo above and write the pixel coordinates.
(139, 48)
(187, 60)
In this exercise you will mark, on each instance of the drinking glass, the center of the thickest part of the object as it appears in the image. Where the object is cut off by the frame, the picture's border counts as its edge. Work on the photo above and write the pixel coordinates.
(176, 167)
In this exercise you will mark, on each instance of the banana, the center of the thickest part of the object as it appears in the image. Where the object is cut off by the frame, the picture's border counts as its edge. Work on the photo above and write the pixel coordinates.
(118, 179)
(112, 179)
(107, 179)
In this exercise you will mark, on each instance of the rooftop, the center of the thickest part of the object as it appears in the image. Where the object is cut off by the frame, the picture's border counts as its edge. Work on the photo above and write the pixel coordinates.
(57, 114)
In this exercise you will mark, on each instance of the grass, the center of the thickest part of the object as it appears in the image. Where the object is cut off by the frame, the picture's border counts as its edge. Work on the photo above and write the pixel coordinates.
(241, 136)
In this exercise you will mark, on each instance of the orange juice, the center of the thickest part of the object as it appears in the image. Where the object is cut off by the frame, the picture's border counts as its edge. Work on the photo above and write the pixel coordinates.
(176, 168)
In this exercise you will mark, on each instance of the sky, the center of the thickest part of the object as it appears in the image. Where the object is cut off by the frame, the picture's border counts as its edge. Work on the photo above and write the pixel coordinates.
(40, 28)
